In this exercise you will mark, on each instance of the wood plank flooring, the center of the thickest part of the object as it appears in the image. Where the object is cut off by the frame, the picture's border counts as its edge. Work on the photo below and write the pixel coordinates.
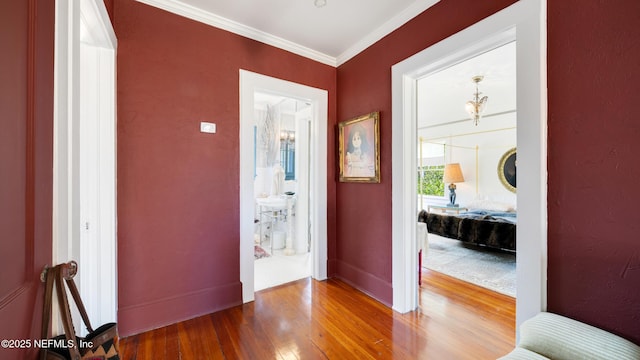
(308, 319)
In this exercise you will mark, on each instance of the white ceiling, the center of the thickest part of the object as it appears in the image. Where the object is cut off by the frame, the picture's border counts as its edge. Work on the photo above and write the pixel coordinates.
(442, 95)
(331, 34)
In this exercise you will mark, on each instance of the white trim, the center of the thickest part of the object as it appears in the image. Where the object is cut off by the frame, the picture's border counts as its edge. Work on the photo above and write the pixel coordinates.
(250, 83)
(97, 184)
(385, 29)
(527, 17)
(84, 88)
(220, 22)
(65, 139)
(404, 248)
(194, 13)
(96, 22)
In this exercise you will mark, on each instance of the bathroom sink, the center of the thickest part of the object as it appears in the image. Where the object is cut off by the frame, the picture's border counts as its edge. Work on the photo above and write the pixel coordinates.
(277, 202)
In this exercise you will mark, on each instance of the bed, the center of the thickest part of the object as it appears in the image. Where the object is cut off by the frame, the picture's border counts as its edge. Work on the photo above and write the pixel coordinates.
(494, 229)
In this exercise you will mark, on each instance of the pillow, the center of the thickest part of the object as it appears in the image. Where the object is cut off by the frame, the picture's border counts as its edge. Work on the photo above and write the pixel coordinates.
(491, 205)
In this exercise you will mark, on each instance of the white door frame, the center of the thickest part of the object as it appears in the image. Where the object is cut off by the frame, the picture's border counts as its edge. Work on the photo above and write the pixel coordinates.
(84, 202)
(249, 84)
(303, 120)
(525, 20)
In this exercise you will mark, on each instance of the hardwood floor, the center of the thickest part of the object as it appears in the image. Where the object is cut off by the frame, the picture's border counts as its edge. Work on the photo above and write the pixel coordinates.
(308, 319)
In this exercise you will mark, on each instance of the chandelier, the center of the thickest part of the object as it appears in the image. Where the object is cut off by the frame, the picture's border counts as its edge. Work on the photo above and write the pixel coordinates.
(320, 3)
(475, 107)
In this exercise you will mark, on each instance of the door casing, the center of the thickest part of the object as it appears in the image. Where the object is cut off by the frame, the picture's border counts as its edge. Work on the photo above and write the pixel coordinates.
(523, 21)
(84, 155)
(250, 83)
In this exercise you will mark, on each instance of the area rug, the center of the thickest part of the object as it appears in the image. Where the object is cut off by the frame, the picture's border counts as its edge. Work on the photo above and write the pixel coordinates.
(259, 252)
(492, 269)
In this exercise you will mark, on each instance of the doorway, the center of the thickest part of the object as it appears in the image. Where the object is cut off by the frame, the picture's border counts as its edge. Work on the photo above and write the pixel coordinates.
(449, 135)
(522, 21)
(84, 205)
(250, 85)
(281, 190)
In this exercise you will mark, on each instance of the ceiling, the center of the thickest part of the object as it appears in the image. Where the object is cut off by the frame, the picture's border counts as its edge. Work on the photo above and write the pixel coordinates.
(331, 34)
(442, 95)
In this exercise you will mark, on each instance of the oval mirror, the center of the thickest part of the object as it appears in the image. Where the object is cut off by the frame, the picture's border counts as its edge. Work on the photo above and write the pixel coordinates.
(507, 170)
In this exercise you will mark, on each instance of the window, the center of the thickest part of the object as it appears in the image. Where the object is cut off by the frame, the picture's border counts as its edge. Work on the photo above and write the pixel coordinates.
(288, 154)
(431, 169)
(430, 180)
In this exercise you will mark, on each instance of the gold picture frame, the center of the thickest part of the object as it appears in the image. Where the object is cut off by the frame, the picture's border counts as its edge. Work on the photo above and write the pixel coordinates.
(359, 149)
(507, 167)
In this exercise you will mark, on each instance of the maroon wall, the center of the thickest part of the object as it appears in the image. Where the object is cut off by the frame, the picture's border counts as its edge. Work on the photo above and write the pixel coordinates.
(108, 5)
(594, 82)
(26, 159)
(177, 188)
(178, 200)
(594, 227)
(363, 255)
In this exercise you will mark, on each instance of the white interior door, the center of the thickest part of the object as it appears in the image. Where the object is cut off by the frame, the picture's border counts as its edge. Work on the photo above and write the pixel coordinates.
(97, 186)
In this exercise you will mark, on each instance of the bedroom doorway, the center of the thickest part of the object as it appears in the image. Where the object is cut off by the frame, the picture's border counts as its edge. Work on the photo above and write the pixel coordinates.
(250, 85)
(447, 134)
(523, 21)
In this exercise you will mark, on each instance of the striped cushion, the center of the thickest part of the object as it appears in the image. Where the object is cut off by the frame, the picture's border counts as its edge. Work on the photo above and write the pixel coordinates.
(561, 338)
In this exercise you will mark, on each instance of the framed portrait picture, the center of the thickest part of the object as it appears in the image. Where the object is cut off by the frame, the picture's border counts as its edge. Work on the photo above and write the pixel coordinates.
(359, 149)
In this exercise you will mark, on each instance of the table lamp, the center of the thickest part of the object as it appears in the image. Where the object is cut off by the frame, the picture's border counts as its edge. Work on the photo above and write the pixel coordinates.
(452, 175)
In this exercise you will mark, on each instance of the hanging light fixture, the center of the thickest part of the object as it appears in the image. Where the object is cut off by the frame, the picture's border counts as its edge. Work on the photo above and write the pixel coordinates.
(320, 3)
(475, 107)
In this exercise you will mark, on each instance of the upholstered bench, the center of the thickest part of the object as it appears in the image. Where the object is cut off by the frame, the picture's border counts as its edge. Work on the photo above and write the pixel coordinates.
(551, 336)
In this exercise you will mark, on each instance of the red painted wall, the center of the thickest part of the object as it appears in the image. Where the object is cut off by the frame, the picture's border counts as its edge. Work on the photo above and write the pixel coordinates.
(178, 200)
(593, 82)
(26, 160)
(363, 254)
(177, 188)
(108, 4)
(594, 227)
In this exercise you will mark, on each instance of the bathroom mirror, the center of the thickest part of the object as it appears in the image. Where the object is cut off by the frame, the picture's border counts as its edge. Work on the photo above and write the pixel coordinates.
(507, 170)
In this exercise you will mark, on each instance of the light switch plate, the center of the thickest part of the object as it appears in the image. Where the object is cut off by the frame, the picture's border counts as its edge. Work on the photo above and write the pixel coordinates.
(207, 127)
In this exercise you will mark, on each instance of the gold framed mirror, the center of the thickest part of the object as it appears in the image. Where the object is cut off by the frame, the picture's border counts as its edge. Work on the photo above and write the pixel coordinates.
(507, 167)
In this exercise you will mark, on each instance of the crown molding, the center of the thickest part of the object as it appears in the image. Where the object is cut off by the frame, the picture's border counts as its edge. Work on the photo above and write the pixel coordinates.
(385, 29)
(220, 22)
(193, 13)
